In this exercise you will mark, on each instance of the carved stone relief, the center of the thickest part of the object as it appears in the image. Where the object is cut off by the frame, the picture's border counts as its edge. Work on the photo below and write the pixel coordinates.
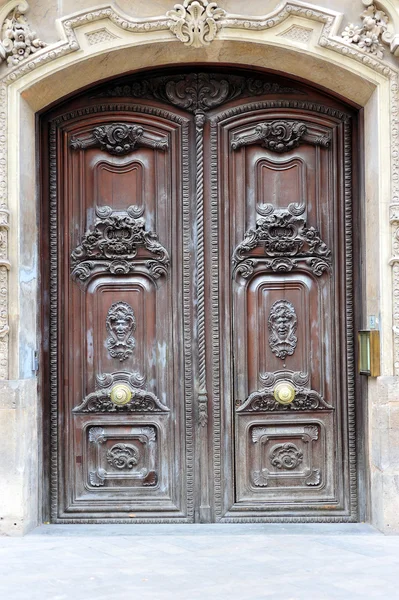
(287, 242)
(112, 246)
(195, 22)
(264, 401)
(280, 136)
(120, 323)
(374, 29)
(100, 401)
(18, 40)
(282, 324)
(117, 139)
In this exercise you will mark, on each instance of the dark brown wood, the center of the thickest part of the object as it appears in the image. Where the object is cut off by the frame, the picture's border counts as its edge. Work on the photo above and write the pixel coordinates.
(197, 255)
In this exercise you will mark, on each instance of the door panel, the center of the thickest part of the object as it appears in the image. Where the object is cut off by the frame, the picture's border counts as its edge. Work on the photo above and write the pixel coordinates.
(197, 301)
(290, 299)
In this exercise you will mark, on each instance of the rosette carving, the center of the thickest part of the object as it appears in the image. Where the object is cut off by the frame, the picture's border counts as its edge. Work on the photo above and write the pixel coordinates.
(112, 246)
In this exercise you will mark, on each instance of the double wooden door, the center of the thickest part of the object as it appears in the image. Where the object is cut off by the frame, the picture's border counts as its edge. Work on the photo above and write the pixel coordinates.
(197, 301)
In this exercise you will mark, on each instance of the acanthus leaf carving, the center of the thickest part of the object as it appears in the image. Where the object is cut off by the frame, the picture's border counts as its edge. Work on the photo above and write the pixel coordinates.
(120, 324)
(287, 242)
(18, 40)
(195, 22)
(100, 401)
(280, 136)
(117, 139)
(263, 400)
(112, 246)
(282, 324)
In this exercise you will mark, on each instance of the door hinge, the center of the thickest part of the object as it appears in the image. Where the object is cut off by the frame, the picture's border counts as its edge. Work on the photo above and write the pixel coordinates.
(35, 361)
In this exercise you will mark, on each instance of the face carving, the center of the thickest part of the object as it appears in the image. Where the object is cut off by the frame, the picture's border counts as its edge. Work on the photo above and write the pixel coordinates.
(282, 324)
(120, 323)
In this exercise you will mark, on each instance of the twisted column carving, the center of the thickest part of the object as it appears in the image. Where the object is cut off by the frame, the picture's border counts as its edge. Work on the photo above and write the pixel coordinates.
(199, 151)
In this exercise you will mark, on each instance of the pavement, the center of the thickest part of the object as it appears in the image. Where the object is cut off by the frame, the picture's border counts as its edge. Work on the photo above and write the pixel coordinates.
(207, 562)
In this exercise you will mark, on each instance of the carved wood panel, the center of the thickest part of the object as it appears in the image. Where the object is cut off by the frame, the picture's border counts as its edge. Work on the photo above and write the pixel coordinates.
(198, 281)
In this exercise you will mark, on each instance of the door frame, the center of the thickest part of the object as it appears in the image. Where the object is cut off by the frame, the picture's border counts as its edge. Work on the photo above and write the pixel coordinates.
(211, 483)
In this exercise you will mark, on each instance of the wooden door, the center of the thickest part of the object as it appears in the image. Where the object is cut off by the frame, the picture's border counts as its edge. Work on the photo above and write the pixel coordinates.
(197, 301)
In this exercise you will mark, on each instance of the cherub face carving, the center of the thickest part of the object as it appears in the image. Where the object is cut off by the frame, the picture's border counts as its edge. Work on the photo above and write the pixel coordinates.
(120, 323)
(282, 324)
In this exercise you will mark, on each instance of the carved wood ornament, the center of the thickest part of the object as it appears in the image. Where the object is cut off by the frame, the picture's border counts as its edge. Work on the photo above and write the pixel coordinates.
(287, 242)
(120, 323)
(100, 400)
(112, 246)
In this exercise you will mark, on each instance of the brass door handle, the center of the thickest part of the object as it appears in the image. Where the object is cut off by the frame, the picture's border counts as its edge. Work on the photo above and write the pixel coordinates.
(284, 392)
(121, 394)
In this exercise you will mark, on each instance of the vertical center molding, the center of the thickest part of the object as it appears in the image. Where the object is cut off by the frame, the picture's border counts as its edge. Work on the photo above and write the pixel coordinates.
(199, 184)
(199, 119)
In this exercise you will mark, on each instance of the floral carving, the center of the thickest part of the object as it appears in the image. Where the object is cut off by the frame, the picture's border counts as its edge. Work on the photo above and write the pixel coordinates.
(117, 139)
(112, 246)
(264, 401)
(100, 401)
(282, 325)
(18, 41)
(287, 242)
(123, 456)
(280, 136)
(120, 323)
(368, 36)
(285, 456)
(195, 22)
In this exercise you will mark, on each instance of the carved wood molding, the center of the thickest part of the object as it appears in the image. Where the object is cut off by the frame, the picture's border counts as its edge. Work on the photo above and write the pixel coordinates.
(112, 246)
(118, 139)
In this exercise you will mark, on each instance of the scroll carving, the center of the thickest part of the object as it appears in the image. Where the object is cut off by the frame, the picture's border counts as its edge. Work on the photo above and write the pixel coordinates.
(123, 456)
(195, 22)
(287, 242)
(112, 246)
(282, 325)
(280, 136)
(120, 323)
(117, 139)
(264, 401)
(285, 456)
(198, 91)
(100, 401)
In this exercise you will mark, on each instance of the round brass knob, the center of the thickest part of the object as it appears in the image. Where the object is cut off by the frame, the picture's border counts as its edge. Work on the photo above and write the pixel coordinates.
(284, 392)
(121, 394)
